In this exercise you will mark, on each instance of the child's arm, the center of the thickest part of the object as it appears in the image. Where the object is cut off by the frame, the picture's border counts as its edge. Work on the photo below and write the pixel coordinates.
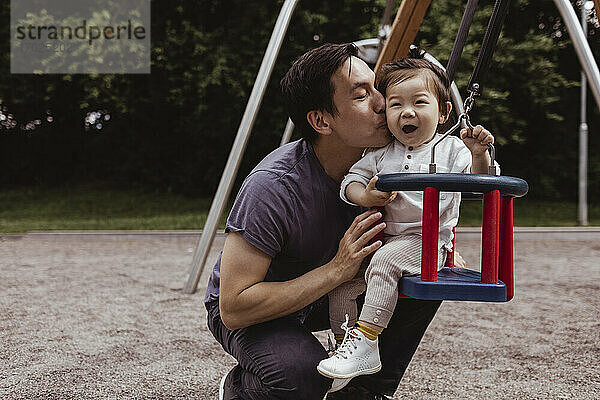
(477, 144)
(368, 196)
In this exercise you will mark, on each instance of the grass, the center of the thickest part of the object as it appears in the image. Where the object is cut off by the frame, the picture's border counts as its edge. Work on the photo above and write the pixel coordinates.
(533, 213)
(94, 208)
(97, 208)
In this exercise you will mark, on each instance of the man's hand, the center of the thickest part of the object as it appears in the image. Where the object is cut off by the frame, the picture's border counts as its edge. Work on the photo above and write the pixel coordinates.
(354, 246)
(246, 299)
(477, 140)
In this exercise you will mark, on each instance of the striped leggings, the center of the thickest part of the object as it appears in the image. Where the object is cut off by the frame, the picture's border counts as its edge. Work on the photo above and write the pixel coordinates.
(399, 256)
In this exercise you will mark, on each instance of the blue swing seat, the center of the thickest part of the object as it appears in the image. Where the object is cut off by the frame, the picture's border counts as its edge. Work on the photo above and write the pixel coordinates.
(453, 284)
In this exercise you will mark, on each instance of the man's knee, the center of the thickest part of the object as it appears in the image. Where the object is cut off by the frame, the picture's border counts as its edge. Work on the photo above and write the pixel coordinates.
(300, 381)
(286, 363)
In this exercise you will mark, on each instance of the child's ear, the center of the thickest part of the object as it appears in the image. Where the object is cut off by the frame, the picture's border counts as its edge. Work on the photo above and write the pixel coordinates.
(444, 117)
(318, 120)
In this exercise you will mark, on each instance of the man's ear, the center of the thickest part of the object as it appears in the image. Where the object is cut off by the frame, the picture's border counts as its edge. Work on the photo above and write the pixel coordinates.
(444, 117)
(318, 120)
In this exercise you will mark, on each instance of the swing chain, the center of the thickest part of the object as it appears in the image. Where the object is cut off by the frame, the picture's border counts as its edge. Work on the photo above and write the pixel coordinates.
(468, 106)
(469, 102)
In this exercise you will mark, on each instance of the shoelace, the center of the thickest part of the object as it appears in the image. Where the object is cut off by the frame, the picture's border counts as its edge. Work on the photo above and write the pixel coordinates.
(348, 342)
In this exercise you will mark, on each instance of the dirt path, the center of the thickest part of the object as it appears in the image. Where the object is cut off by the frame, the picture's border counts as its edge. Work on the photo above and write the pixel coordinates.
(104, 317)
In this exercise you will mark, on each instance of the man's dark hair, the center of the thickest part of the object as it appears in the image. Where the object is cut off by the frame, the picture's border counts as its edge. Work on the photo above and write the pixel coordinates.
(411, 66)
(307, 85)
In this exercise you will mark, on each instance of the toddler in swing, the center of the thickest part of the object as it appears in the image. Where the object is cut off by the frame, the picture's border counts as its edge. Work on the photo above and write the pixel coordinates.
(417, 94)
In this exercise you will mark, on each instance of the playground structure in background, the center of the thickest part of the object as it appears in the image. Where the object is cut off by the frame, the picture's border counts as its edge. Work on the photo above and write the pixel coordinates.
(497, 270)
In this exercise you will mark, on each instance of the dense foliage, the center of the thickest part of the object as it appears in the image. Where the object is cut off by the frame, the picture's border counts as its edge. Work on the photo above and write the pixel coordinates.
(173, 129)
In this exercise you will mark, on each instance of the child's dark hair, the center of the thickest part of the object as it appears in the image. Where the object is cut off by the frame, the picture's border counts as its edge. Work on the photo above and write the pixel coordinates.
(411, 66)
(307, 85)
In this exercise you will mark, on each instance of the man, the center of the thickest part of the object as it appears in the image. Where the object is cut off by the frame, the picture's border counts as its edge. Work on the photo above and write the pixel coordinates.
(292, 240)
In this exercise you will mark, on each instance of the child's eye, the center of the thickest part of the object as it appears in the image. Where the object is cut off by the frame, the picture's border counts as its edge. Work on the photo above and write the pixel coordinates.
(395, 105)
(421, 102)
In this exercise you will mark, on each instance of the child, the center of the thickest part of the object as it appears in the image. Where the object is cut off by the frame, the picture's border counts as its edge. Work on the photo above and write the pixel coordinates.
(417, 100)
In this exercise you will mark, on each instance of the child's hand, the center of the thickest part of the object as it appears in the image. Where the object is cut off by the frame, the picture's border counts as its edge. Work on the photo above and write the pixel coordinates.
(372, 197)
(477, 142)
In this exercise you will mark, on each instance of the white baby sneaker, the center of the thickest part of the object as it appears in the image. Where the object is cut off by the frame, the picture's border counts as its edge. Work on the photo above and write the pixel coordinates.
(357, 355)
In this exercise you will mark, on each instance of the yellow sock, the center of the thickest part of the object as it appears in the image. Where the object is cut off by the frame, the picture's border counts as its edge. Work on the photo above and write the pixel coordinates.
(370, 333)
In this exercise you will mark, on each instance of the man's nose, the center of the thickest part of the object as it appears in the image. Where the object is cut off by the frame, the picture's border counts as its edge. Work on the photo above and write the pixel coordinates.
(378, 102)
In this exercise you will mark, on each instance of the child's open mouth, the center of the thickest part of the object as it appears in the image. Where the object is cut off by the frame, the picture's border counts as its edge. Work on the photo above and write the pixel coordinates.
(408, 128)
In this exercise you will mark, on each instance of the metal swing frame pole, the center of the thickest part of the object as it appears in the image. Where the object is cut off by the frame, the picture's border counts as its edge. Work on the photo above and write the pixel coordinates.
(582, 48)
(287, 132)
(578, 34)
(239, 145)
(582, 210)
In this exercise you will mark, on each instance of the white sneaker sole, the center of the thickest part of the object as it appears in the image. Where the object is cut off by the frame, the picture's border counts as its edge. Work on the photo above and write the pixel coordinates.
(222, 387)
(358, 373)
(338, 384)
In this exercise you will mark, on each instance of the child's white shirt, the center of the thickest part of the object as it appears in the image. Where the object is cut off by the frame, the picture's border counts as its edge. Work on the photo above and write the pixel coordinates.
(404, 215)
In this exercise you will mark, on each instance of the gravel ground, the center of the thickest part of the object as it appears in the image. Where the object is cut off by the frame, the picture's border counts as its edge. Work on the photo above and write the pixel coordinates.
(104, 317)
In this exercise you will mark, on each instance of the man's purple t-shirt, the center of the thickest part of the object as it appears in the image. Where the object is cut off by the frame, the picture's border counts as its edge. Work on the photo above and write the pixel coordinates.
(290, 209)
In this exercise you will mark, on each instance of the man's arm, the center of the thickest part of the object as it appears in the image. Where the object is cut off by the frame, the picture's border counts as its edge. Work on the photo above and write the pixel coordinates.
(245, 299)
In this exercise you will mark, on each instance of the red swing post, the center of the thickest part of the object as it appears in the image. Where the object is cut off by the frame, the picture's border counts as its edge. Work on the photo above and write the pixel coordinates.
(490, 237)
(506, 268)
(431, 227)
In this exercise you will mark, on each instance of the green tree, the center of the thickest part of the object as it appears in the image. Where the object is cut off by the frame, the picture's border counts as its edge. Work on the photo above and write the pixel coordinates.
(173, 129)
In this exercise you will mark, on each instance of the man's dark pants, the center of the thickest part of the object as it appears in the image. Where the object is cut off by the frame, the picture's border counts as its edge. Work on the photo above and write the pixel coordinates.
(278, 359)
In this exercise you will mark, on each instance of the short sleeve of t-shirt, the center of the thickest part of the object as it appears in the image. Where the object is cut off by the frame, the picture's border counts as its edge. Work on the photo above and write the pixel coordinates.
(262, 213)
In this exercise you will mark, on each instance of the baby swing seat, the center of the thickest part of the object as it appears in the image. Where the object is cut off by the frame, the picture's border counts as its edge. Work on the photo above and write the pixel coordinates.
(495, 283)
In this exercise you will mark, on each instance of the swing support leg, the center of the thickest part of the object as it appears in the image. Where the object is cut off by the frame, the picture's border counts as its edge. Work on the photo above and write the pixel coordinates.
(506, 273)
(429, 244)
(490, 237)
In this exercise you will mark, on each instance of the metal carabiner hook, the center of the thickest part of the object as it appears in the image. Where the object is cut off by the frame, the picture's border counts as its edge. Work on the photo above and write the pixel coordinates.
(469, 125)
(432, 166)
(468, 105)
